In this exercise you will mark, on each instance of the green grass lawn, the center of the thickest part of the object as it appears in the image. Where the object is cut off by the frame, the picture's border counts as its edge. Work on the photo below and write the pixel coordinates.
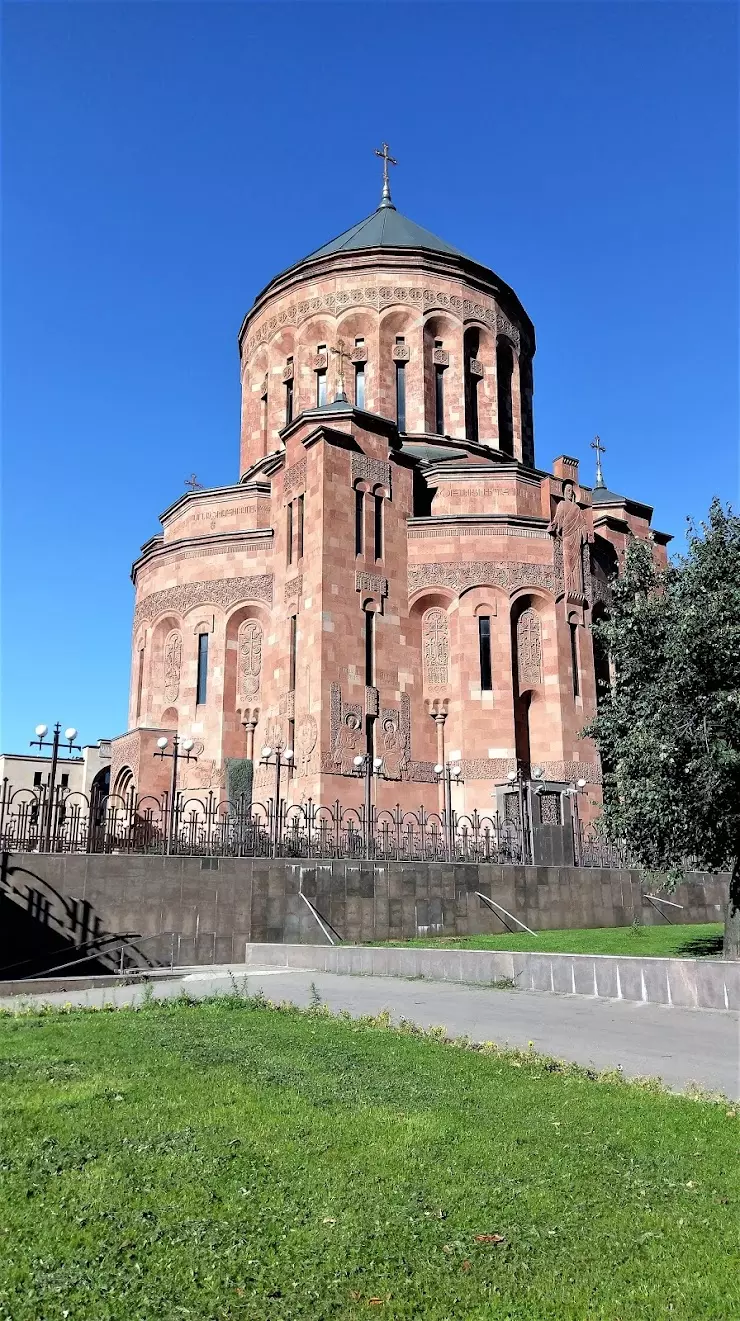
(698, 940)
(235, 1161)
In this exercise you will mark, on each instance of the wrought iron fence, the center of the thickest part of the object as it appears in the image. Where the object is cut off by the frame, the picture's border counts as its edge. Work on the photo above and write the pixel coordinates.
(208, 826)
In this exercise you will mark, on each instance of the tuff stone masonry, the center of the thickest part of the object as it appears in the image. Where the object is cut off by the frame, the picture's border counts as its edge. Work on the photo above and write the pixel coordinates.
(392, 574)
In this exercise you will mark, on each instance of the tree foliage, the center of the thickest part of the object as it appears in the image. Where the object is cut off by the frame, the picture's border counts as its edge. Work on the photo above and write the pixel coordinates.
(668, 728)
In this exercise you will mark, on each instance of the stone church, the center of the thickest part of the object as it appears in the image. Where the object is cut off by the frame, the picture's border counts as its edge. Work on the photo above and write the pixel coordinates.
(392, 575)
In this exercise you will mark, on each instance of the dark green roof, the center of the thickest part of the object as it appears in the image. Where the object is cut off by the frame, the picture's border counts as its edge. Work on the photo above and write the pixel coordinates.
(385, 228)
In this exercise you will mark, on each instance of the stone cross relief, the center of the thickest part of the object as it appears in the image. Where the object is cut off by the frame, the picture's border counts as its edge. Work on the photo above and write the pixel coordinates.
(570, 524)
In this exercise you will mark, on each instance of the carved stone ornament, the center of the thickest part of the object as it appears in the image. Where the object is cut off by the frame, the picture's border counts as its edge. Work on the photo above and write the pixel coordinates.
(371, 582)
(358, 353)
(475, 367)
(288, 371)
(305, 741)
(401, 353)
(223, 592)
(529, 649)
(294, 587)
(171, 662)
(395, 739)
(486, 573)
(249, 650)
(462, 308)
(376, 472)
(435, 646)
(372, 701)
(294, 479)
(441, 358)
(286, 704)
(320, 362)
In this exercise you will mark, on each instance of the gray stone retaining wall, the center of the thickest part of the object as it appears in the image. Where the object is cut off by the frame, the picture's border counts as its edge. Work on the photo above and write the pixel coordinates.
(204, 910)
(692, 983)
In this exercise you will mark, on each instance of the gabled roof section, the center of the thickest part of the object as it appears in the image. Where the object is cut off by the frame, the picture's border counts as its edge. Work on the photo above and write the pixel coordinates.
(385, 228)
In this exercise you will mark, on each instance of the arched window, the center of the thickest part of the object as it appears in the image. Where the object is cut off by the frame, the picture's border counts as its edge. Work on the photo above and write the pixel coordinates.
(470, 353)
(504, 373)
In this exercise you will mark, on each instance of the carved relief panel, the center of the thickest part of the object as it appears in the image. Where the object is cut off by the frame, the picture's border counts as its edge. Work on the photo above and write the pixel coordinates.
(171, 664)
(249, 651)
(529, 648)
(435, 646)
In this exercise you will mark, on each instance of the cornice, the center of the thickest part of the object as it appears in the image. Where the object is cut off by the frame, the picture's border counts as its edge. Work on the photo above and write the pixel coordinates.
(215, 495)
(156, 550)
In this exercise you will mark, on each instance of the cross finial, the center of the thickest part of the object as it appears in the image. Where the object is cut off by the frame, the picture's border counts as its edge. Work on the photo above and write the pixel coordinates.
(596, 444)
(387, 159)
(192, 483)
(341, 352)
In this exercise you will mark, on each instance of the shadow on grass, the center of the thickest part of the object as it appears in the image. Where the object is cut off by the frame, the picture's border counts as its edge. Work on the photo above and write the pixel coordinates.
(701, 947)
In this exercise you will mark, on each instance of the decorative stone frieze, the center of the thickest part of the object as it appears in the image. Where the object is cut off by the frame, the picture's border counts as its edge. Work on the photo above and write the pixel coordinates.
(483, 573)
(293, 588)
(223, 592)
(377, 472)
(294, 479)
(372, 701)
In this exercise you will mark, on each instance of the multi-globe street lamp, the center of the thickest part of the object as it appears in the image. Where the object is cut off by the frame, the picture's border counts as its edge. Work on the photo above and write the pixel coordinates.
(448, 773)
(41, 741)
(368, 766)
(182, 750)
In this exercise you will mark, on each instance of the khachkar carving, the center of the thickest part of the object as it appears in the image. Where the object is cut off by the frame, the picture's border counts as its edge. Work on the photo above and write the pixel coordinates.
(376, 472)
(305, 741)
(346, 732)
(570, 525)
(395, 739)
(294, 479)
(171, 662)
(249, 649)
(461, 308)
(484, 573)
(219, 591)
(529, 649)
(435, 644)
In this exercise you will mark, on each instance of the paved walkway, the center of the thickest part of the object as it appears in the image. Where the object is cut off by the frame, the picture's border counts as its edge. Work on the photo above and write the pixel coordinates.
(681, 1046)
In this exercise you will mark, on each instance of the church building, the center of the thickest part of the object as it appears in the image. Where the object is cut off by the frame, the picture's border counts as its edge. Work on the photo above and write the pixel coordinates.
(392, 575)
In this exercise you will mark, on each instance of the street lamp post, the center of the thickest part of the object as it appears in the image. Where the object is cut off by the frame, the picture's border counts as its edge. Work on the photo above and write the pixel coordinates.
(368, 766)
(275, 757)
(181, 751)
(41, 741)
(448, 773)
(523, 782)
(574, 791)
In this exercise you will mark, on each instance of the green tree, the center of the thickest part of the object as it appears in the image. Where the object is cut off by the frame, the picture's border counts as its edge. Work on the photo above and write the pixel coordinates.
(668, 727)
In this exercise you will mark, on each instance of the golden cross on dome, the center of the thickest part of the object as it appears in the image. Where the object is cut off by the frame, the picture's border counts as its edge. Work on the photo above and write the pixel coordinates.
(341, 353)
(192, 483)
(600, 484)
(387, 160)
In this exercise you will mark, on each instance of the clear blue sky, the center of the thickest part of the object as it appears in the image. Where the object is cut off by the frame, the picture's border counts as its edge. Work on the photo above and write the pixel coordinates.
(163, 161)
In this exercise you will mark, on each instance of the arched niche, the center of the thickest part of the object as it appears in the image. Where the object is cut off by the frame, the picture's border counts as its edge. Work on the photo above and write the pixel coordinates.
(534, 658)
(442, 374)
(281, 383)
(316, 330)
(166, 661)
(479, 371)
(407, 358)
(432, 628)
(358, 329)
(246, 632)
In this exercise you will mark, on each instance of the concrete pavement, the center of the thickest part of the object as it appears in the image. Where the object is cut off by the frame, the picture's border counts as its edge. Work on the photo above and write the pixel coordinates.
(681, 1046)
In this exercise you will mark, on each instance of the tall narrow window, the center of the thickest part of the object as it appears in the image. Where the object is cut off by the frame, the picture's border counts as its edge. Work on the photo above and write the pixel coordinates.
(359, 378)
(37, 779)
(293, 650)
(472, 341)
(202, 682)
(301, 517)
(289, 532)
(484, 647)
(321, 380)
(572, 624)
(378, 521)
(289, 395)
(359, 522)
(400, 389)
(369, 648)
(504, 372)
(263, 415)
(140, 683)
(439, 394)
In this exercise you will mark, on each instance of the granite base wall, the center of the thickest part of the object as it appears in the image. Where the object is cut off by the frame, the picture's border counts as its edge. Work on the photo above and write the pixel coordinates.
(204, 910)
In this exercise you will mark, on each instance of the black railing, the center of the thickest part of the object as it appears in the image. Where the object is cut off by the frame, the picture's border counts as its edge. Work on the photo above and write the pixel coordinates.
(208, 826)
